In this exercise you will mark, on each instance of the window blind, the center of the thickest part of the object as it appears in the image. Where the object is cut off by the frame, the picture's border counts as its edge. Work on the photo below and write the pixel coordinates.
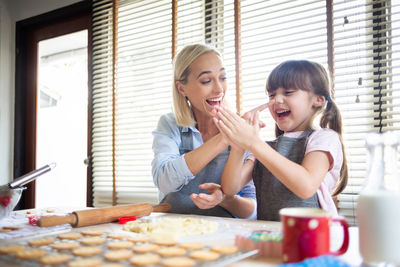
(366, 45)
(132, 85)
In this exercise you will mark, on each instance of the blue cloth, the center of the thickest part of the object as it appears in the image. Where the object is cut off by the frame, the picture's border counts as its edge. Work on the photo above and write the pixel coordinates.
(169, 169)
(321, 261)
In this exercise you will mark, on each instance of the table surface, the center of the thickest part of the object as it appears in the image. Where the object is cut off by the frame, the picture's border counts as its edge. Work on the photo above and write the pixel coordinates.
(228, 229)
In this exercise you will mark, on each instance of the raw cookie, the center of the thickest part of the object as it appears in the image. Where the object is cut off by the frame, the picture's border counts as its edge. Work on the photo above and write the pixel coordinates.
(145, 259)
(118, 255)
(93, 240)
(85, 263)
(54, 259)
(191, 245)
(225, 249)
(29, 254)
(178, 262)
(11, 249)
(139, 238)
(204, 255)
(119, 244)
(145, 248)
(41, 242)
(92, 232)
(171, 251)
(86, 251)
(70, 236)
(65, 245)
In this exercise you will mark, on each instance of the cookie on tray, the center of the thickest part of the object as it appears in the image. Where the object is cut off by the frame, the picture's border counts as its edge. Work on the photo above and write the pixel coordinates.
(91, 262)
(29, 254)
(93, 240)
(41, 241)
(171, 251)
(11, 249)
(118, 255)
(119, 245)
(225, 249)
(140, 238)
(145, 259)
(144, 248)
(87, 251)
(65, 245)
(70, 236)
(54, 259)
(192, 245)
(92, 232)
(204, 255)
(178, 262)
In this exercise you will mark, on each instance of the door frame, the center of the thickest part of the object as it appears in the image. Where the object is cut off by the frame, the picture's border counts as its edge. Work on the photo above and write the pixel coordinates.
(29, 32)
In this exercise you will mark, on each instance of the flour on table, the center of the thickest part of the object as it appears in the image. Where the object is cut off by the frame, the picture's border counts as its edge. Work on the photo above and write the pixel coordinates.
(173, 226)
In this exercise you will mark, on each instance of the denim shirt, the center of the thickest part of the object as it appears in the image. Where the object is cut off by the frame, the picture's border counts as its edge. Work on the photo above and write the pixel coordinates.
(170, 171)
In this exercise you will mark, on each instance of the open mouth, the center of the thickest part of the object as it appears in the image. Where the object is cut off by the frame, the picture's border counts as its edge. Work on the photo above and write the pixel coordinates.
(214, 101)
(283, 113)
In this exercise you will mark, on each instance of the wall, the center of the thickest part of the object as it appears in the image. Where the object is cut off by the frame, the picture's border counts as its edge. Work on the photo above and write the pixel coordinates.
(12, 11)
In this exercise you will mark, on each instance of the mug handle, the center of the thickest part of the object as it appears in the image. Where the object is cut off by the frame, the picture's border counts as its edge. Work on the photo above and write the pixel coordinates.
(345, 244)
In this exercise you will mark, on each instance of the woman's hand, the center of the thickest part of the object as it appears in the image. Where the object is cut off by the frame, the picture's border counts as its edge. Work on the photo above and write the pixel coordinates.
(208, 201)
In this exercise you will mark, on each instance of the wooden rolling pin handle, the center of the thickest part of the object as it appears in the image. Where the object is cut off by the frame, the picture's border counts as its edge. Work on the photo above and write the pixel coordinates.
(164, 207)
(46, 221)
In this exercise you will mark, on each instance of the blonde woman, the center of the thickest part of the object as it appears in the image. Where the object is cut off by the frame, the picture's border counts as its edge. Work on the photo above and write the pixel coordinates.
(189, 152)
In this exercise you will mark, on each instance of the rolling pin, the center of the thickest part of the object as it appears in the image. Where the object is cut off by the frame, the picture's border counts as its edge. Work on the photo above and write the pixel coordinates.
(88, 217)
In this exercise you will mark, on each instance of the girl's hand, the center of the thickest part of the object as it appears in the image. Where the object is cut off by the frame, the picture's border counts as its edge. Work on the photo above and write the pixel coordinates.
(251, 113)
(208, 201)
(241, 131)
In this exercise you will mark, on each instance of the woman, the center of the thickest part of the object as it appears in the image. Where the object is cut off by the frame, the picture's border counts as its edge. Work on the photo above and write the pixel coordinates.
(189, 152)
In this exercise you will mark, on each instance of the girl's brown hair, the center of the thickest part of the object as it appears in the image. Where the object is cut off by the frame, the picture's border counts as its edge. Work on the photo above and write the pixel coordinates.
(311, 76)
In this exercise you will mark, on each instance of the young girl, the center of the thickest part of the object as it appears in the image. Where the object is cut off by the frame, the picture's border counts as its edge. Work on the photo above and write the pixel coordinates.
(303, 167)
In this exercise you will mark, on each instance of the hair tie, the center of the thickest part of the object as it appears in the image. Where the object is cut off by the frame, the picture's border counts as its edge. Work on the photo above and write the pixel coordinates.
(328, 98)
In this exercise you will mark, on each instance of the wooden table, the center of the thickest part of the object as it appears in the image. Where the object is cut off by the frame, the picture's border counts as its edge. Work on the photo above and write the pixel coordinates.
(229, 227)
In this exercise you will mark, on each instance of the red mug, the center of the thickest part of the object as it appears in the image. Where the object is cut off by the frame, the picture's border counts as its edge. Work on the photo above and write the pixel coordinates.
(306, 233)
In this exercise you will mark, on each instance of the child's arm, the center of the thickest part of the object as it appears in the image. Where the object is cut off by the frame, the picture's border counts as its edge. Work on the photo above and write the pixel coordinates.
(235, 175)
(303, 180)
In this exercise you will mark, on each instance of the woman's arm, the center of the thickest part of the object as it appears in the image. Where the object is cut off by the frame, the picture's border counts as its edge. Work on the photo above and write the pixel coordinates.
(171, 170)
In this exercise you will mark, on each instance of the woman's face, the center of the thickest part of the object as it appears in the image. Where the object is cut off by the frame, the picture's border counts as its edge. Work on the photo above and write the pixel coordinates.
(206, 85)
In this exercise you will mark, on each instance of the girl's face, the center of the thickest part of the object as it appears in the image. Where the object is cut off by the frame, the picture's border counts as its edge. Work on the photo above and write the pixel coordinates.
(206, 85)
(294, 109)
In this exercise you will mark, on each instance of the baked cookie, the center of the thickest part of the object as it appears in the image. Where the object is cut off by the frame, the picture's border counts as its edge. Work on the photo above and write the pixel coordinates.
(92, 232)
(29, 254)
(164, 242)
(93, 240)
(4, 230)
(140, 238)
(119, 244)
(118, 255)
(191, 245)
(70, 236)
(54, 259)
(11, 249)
(41, 242)
(117, 236)
(92, 262)
(204, 255)
(171, 251)
(144, 259)
(65, 245)
(86, 251)
(144, 248)
(225, 249)
(178, 262)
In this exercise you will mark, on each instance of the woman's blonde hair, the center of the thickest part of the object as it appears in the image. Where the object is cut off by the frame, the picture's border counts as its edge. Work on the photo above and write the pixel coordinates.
(181, 64)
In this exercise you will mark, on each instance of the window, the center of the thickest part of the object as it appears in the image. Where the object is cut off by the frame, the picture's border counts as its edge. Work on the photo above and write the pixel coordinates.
(134, 43)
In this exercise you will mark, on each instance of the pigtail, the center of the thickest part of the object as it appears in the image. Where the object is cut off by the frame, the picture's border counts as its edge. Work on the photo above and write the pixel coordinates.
(332, 119)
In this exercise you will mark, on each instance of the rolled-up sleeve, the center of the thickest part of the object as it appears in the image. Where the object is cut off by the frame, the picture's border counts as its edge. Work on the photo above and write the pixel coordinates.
(169, 169)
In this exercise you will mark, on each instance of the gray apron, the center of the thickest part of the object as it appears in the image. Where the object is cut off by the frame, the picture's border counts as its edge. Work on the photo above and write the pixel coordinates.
(180, 201)
(271, 194)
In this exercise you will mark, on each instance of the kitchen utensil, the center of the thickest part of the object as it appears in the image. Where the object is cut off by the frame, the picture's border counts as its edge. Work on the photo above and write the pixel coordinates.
(10, 193)
(27, 178)
(102, 215)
